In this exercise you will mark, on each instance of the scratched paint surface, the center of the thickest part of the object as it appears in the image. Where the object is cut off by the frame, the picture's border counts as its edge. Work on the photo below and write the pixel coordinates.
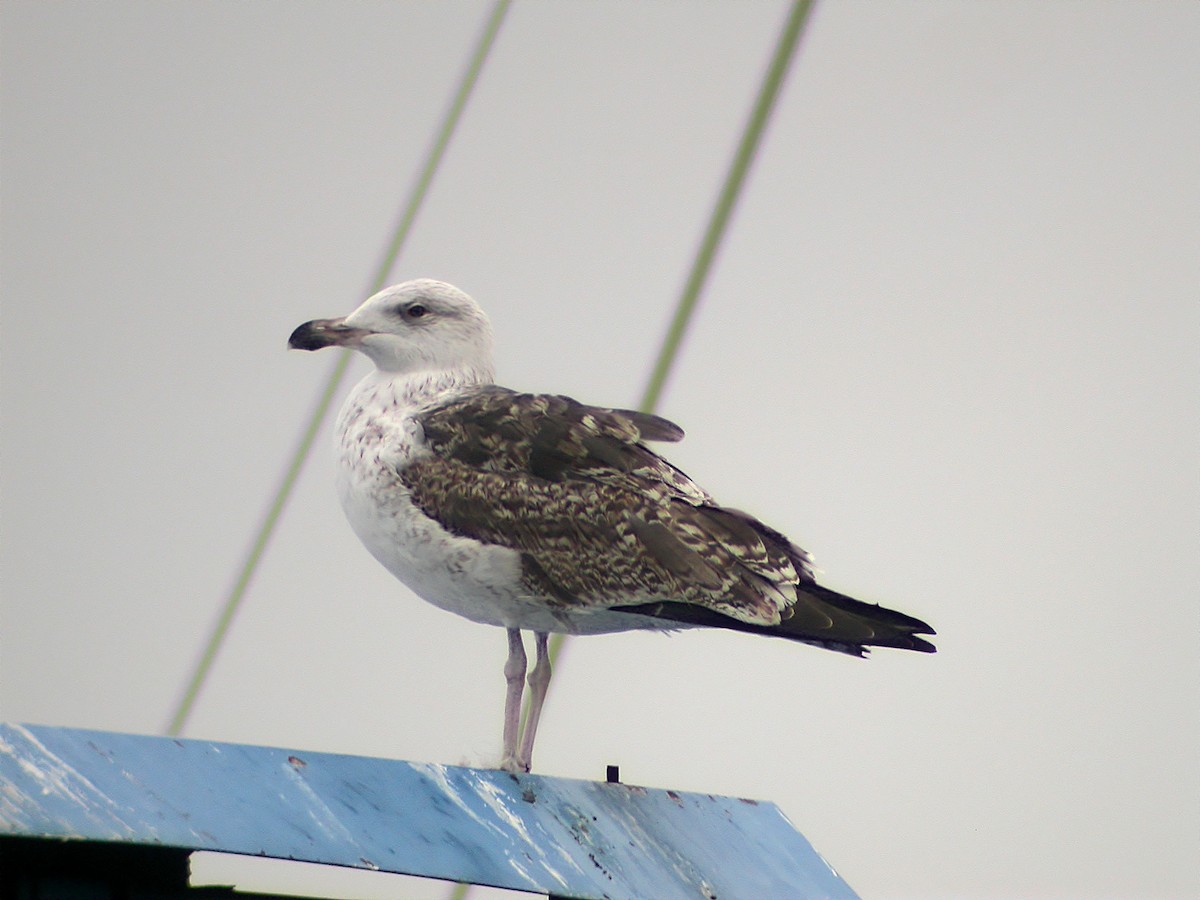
(548, 835)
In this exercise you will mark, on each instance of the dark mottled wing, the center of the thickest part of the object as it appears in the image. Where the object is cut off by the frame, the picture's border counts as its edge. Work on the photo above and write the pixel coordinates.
(602, 521)
(553, 439)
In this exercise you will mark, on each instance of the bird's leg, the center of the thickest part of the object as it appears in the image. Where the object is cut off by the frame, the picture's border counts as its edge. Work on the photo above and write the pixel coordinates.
(539, 681)
(514, 674)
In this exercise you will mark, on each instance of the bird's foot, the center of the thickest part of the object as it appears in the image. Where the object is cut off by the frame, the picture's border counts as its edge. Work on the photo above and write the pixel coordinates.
(513, 765)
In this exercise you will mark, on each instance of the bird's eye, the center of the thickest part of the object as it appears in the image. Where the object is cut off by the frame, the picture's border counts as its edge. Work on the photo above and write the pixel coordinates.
(414, 312)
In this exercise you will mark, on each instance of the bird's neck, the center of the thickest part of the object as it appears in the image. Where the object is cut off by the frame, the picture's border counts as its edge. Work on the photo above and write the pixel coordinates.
(415, 390)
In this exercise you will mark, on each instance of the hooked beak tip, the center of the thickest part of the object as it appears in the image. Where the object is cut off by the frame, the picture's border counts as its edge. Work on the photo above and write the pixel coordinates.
(324, 333)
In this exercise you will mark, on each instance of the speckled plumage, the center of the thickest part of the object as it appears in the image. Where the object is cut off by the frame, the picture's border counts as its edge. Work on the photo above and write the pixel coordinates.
(536, 512)
(599, 519)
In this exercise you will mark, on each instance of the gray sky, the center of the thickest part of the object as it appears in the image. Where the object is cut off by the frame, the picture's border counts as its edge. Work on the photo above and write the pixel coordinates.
(948, 346)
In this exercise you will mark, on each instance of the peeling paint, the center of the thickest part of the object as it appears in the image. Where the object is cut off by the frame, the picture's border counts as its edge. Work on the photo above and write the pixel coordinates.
(56, 778)
(318, 811)
(437, 774)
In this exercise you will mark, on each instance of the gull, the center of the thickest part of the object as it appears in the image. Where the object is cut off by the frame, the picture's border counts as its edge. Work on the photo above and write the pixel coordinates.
(535, 512)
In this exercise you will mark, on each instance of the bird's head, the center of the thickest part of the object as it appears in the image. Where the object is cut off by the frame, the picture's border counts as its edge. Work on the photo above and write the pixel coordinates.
(421, 325)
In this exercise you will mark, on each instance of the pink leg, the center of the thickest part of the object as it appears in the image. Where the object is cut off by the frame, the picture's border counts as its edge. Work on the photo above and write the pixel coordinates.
(514, 674)
(539, 681)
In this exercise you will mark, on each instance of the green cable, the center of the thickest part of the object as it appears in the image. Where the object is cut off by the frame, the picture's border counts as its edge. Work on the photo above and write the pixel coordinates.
(747, 149)
(320, 409)
(718, 223)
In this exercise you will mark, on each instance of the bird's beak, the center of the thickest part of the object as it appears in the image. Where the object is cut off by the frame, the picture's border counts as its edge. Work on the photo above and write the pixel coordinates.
(326, 333)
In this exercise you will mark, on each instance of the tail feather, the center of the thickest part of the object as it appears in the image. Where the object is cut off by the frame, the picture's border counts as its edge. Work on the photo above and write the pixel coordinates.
(853, 626)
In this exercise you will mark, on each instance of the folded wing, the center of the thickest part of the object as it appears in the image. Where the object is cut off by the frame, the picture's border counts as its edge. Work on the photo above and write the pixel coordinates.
(601, 521)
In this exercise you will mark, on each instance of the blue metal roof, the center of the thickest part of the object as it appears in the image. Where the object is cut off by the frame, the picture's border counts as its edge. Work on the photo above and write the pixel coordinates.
(558, 836)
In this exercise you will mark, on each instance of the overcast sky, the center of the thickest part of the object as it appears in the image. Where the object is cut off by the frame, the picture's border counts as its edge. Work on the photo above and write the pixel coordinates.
(949, 347)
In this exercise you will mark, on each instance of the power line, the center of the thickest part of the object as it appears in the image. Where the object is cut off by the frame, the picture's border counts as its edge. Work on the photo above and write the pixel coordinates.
(760, 114)
(262, 536)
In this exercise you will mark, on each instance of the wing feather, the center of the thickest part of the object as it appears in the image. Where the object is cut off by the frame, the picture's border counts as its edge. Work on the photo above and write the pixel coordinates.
(602, 521)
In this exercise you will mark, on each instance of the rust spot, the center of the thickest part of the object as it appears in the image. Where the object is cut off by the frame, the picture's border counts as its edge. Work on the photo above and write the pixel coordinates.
(297, 762)
(747, 800)
(528, 795)
(674, 796)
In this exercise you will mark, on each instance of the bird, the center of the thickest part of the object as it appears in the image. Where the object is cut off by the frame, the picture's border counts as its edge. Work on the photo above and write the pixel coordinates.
(535, 512)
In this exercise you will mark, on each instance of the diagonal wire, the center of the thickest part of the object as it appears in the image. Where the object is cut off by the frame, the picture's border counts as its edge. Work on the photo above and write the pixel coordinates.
(760, 114)
(262, 537)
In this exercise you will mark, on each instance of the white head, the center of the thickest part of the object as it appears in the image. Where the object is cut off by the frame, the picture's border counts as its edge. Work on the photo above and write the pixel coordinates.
(418, 326)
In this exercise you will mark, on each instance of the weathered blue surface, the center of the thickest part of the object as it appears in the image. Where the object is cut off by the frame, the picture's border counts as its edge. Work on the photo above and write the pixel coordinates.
(548, 835)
